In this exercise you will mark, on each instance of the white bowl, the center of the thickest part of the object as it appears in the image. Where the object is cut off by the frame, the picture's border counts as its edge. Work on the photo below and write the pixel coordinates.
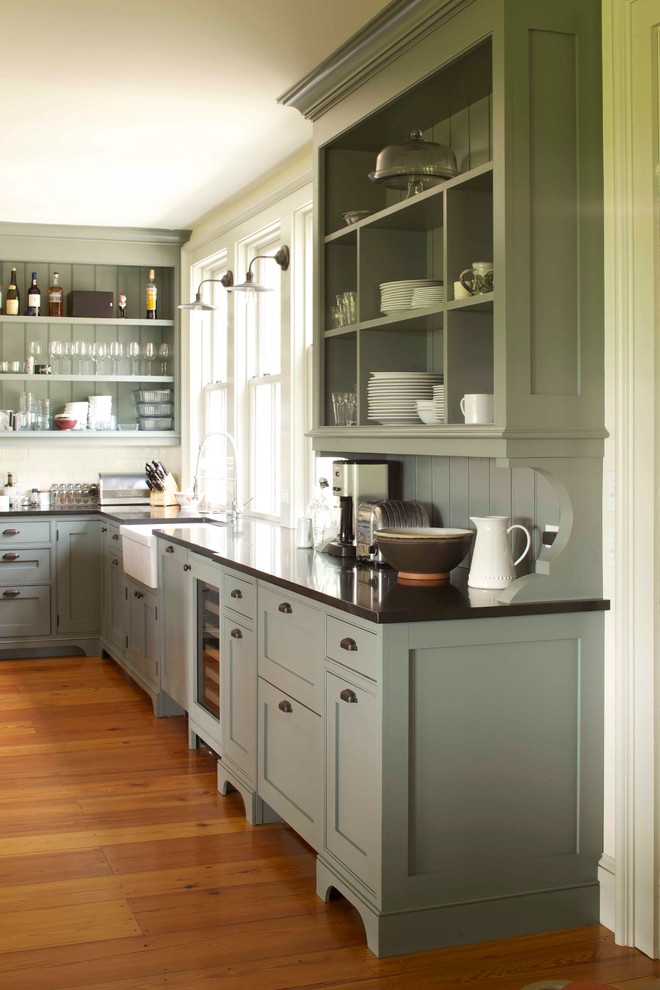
(187, 502)
(427, 416)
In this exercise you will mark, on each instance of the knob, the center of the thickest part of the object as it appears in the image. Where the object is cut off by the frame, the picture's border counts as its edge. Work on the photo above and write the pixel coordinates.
(115, 562)
(285, 607)
(104, 529)
(285, 706)
(115, 536)
(10, 594)
(348, 696)
(187, 567)
(236, 593)
(10, 532)
(169, 549)
(349, 644)
(138, 594)
(11, 556)
(236, 634)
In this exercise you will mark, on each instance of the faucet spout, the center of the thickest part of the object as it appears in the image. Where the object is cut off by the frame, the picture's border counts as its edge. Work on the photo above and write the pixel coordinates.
(218, 433)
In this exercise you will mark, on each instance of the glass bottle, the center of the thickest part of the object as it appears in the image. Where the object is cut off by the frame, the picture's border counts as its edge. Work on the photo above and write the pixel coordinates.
(56, 297)
(13, 297)
(152, 295)
(34, 298)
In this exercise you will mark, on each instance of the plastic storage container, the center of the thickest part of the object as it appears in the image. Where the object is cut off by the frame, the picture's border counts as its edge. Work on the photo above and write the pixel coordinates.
(156, 422)
(155, 408)
(153, 394)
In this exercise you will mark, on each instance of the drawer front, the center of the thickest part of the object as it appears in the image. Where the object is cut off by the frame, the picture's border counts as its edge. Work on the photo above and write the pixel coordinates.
(238, 593)
(352, 646)
(291, 645)
(24, 532)
(112, 537)
(290, 762)
(24, 566)
(24, 611)
(172, 552)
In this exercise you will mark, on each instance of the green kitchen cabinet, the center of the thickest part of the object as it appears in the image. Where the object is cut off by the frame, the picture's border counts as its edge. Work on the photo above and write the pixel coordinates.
(79, 575)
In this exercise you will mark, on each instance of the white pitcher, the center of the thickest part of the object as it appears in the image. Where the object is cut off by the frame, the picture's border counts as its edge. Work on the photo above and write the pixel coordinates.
(492, 564)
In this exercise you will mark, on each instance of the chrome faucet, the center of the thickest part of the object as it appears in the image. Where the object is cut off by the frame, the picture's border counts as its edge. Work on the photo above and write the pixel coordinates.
(236, 510)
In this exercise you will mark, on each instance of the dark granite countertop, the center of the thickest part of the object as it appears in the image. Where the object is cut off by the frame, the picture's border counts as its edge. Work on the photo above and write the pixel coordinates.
(266, 550)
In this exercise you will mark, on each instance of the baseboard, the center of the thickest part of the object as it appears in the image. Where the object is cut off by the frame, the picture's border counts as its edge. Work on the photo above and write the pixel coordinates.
(606, 877)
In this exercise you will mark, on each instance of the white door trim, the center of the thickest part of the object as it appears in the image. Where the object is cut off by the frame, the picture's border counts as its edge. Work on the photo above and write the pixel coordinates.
(630, 126)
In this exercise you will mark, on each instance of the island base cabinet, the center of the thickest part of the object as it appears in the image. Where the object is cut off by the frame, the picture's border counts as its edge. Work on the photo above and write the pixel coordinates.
(24, 611)
(142, 640)
(290, 761)
(238, 677)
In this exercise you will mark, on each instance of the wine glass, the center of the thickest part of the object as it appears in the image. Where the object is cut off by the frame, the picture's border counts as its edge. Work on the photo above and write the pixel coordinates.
(68, 354)
(164, 353)
(84, 352)
(116, 352)
(55, 355)
(133, 351)
(99, 354)
(34, 351)
(149, 354)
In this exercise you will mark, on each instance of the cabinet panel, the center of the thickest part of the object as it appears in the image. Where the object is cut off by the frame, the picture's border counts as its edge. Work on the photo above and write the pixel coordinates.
(115, 593)
(238, 593)
(352, 646)
(291, 645)
(24, 566)
(143, 640)
(239, 694)
(290, 761)
(175, 595)
(79, 575)
(24, 611)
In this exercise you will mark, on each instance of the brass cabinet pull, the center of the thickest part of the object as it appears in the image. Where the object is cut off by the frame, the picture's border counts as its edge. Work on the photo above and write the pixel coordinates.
(104, 529)
(236, 593)
(236, 634)
(349, 696)
(11, 556)
(349, 644)
(187, 567)
(115, 536)
(10, 532)
(115, 562)
(169, 549)
(285, 706)
(285, 607)
(10, 594)
(138, 594)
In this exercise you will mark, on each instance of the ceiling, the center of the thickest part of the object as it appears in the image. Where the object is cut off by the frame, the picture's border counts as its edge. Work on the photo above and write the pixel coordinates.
(152, 112)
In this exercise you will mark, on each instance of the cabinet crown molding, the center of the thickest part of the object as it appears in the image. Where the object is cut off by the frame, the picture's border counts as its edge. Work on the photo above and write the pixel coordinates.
(398, 27)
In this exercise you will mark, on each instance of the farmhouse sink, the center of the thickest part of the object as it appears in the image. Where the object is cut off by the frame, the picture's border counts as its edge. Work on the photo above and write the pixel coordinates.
(140, 547)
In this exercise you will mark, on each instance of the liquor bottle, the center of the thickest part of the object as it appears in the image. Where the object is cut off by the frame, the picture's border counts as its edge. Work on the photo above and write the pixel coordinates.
(56, 297)
(13, 297)
(152, 295)
(34, 298)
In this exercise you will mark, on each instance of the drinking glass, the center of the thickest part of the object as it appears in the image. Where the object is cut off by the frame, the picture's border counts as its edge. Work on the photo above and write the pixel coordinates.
(55, 355)
(149, 354)
(99, 354)
(68, 354)
(164, 353)
(84, 349)
(133, 352)
(116, 352)
(35, 350)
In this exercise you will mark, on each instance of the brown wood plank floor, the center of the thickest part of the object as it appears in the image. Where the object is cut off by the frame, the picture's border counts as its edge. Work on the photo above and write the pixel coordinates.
(122, 868)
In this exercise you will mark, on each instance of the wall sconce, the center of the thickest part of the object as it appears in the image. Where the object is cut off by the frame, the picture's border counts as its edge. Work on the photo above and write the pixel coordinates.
(227, 280)
(249, 286)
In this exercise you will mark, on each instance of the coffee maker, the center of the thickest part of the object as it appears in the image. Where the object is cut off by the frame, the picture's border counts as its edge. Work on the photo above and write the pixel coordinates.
(354, 482)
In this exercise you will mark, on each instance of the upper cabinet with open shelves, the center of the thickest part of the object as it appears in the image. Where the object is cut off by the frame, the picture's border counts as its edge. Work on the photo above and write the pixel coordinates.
(510, 86)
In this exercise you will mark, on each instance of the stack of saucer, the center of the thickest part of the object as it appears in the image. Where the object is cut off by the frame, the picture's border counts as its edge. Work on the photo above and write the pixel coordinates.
(425, 296)
(439, 402)
(398, 296)
(78, 411)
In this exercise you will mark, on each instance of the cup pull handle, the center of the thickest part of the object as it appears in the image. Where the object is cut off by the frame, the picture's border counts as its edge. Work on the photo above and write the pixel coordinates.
(285, 706)
(187, 567)
(115, 562)
(236, 634)
(10, 532)
(104, 529)
(285, 607)
(169, 549)
(349, 644)
(138, 594)
(115, 536)
(10, 594)
(236, 593)
(350, 697)
(11, 556)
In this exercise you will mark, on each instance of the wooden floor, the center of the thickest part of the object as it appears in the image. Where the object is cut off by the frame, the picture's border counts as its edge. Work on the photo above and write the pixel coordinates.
(122, 867)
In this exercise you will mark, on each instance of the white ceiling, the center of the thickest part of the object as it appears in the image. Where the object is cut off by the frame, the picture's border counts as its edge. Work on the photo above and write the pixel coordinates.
(152, 112)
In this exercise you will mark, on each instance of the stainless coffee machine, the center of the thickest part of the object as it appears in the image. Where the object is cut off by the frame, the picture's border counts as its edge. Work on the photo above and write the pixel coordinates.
(354, 482)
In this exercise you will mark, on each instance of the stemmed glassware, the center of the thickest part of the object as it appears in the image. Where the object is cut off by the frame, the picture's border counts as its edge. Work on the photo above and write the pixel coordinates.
(99, 354)
(133, 352)
(116, 353)
(84, 354)
(34, 351)
(149, 354)
(69, 354)
(55, 355)
(164, 353)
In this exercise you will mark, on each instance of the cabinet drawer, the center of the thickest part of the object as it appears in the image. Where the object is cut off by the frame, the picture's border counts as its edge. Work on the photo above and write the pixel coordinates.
(238, 594)
(291, 645)
(22, 532)
(290, 762)
(24, 611)
(112, 537)
(24, 566)
(352, 646)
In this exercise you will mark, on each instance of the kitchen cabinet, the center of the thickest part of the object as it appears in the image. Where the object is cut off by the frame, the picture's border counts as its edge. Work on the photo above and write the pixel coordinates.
(142, 643)
(99, 259)
(204, 638)
(78, 576)
(174, 583)
(25, 578)
(290, 700)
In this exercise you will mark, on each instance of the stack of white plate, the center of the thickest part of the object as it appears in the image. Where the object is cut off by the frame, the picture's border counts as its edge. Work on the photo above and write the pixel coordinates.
(397, 296)
(439, 402)
(425, 296)
(78, 411)
(100, 412)
(392, 395)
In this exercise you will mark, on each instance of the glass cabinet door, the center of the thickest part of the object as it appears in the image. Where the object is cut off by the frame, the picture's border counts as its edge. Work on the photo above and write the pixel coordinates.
(208, 648)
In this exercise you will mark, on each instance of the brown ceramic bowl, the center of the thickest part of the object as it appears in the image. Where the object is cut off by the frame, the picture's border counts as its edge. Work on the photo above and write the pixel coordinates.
(60, 423)
(426, 554)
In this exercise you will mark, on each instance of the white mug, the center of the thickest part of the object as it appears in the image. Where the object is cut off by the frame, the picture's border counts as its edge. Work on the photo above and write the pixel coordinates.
(477, 407)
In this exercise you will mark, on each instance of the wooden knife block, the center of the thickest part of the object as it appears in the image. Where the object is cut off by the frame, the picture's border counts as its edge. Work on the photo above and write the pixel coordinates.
(166, 497)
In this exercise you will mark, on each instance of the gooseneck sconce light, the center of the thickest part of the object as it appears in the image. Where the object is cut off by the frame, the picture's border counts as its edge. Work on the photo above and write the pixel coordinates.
(249, 286)
(227, 280)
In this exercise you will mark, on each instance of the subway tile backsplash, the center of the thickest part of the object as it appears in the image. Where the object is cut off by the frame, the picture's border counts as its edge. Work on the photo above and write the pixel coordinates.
(41, 465)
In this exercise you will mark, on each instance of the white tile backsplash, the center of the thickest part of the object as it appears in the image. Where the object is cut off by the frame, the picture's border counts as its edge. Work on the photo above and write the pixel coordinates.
(41, 465)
